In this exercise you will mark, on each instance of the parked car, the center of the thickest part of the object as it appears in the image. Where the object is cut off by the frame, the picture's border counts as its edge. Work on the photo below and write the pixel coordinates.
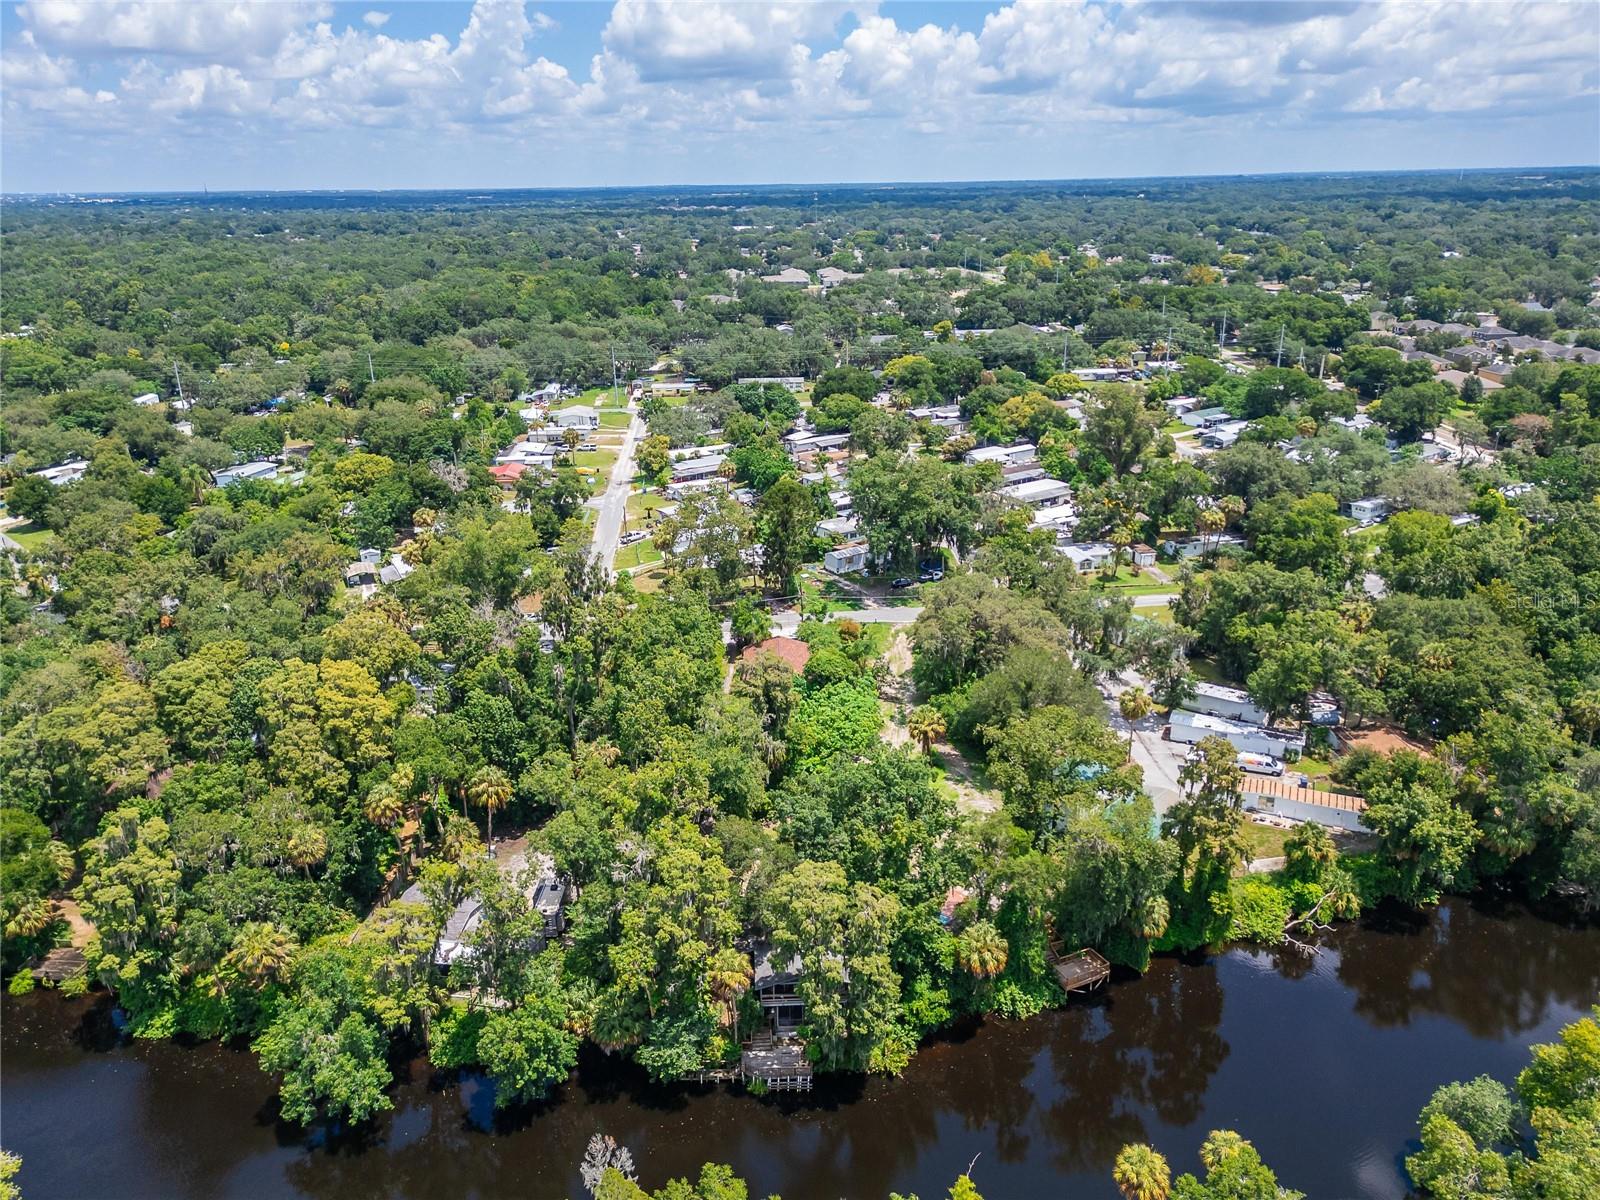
(902, 582)
(932, 576)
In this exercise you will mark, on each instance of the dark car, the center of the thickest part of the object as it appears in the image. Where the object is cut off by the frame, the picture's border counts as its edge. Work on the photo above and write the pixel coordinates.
(902, 582)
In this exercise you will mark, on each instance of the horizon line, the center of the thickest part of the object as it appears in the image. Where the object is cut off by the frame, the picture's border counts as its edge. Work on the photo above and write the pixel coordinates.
(840, 183)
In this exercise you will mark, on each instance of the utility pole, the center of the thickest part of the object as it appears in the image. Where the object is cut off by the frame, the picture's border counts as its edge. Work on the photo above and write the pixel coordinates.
(1323, 368)
(177, 378)
(372, 376)
(1302, 358)
(1280, 346)
(613, 374)
(1222, 337)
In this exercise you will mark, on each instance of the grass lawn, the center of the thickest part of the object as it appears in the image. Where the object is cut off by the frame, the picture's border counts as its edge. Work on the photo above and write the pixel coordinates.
(637, 555)
(644, 504)
(650, 580)
(1126, 583)
(1265, 841)
(1206, 671)
(601, 460)
(31, 536)
(1175, 427)
(615, 420)
(1161, 613)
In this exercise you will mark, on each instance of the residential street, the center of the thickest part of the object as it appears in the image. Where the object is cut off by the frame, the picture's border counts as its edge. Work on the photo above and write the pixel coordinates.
(612, 504)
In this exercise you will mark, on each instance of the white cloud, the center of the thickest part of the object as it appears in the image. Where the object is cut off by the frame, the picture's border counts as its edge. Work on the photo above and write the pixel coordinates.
(822, 77)
(225, 32)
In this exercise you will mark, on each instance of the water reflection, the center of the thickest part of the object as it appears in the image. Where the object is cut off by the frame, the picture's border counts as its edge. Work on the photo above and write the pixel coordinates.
(1383, 1015)
(1472, 963)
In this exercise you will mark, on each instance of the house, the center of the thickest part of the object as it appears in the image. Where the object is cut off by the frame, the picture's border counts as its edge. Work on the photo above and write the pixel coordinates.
(579, 416)
(1021, 452)
(1492, 333)
(147, 400)
(834, 276)
(1143, 555)
(549, 394)
(674, 387)
(545, 891)
(1204, 418)
(1021, 472)
(1192, 727)
(1497, 372)
(1088, 557)
(1180, 406)
(1195, 547)
(1054, 516)
(393, 571)
(361, 577)
(261, 469)
(846, 559)
(790, 383)
(64, 473)
(776, 988)
(1097, 374)
(1368, 510)
(507, 474)
(1221, 436)
(794, 653)
(1230, 702)
(697, 468)
(844, 527)
(1036, 492)
(789, 277)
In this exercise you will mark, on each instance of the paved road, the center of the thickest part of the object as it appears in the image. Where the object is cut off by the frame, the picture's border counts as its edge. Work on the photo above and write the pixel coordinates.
(612, 504)
(785, 623)
(1160, 760)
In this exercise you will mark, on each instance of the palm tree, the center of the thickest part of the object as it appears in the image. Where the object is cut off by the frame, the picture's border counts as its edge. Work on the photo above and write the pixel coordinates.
(1584, 713)
(1141, 1173)
(926, 724)
(458, 839)
(384, 808)
(981, 949)
(261, 953)
(308, 846)
(1220, 1145)
(729, 975)
(31, 919)
(1134, 705)
(571, 439)
(490, 789)
(1211, 522)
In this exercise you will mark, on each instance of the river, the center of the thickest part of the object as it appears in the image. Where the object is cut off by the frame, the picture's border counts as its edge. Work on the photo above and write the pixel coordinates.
(1322, 1063)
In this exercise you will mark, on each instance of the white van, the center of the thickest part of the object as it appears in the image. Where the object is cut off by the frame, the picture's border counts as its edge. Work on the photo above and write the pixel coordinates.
(1260, 764)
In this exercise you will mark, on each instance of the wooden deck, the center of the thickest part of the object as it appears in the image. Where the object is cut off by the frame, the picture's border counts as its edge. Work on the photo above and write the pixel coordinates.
(779, 1063)
(60, 964)
(1080, 971)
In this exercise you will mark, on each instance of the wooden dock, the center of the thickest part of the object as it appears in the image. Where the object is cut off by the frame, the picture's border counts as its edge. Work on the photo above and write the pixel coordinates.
(1080, 971)
(60, 965)
(779, 1063)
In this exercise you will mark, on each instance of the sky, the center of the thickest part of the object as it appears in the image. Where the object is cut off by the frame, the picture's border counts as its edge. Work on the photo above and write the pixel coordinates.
(174, 95)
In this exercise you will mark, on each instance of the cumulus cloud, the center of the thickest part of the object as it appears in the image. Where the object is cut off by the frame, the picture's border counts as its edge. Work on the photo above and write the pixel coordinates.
(694, 72)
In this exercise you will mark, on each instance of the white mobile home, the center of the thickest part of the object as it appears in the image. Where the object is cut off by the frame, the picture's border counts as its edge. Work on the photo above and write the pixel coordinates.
(846, 559)
(1036, 492)
(1233, 703)
(1022, 452)
(1189, 726)
(1088, 556)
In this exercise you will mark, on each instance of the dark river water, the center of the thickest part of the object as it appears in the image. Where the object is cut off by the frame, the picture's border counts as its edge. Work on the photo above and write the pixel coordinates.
(1322, 1063)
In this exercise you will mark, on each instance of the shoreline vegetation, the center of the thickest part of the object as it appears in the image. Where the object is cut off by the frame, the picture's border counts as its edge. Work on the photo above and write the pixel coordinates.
(326, 724)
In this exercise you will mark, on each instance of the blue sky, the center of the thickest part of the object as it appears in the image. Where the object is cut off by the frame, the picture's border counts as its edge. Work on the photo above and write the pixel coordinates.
(167, 94)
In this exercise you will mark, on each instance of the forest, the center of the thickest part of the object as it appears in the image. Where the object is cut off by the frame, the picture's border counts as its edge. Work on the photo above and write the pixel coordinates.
(229, 762)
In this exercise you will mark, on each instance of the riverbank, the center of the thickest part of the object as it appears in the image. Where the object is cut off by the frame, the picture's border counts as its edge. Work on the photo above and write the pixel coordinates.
(1392, 1008)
